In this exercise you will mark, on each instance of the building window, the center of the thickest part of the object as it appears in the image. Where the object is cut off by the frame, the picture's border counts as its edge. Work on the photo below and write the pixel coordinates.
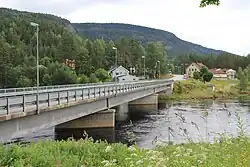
(123, 79)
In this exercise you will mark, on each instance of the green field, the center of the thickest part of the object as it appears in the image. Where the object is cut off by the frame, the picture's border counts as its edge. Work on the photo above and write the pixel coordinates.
(194, 89)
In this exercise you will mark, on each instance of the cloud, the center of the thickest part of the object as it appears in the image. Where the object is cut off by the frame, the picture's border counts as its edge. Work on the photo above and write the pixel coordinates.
(225, 27)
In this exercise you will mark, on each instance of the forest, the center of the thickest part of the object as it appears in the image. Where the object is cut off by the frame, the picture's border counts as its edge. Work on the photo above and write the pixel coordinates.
(59, 43)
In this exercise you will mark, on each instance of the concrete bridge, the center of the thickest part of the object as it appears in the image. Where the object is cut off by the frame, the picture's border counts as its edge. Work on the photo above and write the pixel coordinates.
(24, 110)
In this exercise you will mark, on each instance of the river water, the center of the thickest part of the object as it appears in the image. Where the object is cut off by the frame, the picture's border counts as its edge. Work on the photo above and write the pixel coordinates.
(175, 122)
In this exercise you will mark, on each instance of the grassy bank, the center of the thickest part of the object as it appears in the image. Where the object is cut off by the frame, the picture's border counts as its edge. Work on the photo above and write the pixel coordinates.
(193, 89)
(85, 153)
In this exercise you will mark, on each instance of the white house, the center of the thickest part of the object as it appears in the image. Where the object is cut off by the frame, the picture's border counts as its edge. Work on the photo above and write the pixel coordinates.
(121, 74)
(231, 74)
(194, 67)
(118, 71)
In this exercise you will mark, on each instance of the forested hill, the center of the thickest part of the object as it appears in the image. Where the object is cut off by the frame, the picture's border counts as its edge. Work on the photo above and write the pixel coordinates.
(113, 31)
(59, 43)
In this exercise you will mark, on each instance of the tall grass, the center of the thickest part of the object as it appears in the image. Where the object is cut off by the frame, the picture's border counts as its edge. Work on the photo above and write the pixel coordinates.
(223, 152)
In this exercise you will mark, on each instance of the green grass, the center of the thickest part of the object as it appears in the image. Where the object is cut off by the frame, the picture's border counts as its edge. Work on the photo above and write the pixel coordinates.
(193, 89)
(86, 153)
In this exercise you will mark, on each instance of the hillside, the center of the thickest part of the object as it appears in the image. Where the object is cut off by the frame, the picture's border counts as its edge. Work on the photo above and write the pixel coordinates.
(58, 42)
(113, 31)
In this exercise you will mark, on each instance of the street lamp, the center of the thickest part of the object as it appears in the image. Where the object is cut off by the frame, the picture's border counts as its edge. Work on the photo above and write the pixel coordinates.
(144, 66)
(37, 64)
(114, 48)
(159, 68)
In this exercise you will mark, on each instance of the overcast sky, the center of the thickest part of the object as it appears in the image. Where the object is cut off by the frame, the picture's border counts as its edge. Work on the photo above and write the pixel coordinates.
(226, 27)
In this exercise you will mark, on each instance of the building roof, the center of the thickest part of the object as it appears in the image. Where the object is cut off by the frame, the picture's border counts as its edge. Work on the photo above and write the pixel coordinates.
(218, 71)
(198, 65)
(114, 68)
(231, 70)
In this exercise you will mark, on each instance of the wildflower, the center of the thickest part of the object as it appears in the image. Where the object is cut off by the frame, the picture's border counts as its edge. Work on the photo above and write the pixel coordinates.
(108, 149)
(131, 148)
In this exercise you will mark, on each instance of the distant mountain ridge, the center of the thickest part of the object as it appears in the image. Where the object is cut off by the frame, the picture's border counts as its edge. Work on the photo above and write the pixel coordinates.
(114, 31)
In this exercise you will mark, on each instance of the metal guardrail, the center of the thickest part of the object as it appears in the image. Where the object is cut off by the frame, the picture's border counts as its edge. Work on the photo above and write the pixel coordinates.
(52, 97)
(25, 89)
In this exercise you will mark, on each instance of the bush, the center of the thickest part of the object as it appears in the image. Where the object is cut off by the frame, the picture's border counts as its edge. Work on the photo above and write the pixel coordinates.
(103, 75)
(196, 75)
(82, 79)
(93, 78)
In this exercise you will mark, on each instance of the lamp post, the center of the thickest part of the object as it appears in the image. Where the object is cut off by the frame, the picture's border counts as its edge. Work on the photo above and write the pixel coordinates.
(144, 67)
(159, 68)
(114, 48)
(37, 64)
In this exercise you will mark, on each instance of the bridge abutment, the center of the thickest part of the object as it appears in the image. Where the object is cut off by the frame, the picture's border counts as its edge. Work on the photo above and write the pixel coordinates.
(102, 119)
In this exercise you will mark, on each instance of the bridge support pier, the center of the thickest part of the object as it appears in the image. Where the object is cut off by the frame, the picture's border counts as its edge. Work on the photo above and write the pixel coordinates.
(146, 104)
(122, 112)
(102, 119)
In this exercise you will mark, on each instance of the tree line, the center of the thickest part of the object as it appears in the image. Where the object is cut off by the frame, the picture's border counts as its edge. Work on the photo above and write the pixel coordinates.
(57, 43)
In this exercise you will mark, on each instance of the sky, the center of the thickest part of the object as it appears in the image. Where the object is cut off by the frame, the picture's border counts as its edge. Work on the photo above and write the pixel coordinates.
(225, 27)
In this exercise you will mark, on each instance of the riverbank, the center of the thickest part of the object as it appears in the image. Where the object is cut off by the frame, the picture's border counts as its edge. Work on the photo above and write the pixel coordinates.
(194, 89)
(85, 153)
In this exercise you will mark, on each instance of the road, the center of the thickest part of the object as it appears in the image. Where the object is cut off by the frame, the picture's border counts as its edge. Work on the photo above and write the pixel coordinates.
(178, 77)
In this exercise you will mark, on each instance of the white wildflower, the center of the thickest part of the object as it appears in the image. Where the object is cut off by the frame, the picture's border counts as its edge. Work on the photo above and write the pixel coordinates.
(108, 149)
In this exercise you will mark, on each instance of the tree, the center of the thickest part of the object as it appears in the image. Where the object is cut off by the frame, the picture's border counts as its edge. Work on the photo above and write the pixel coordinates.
(204, 3)
(207, 77)
(243, 82)
(239, 73)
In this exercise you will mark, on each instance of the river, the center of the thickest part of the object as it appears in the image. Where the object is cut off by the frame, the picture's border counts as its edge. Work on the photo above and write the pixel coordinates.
(177, 122)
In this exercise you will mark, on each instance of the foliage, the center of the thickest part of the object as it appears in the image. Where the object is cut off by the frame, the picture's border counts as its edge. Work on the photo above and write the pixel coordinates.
(58, 46)
(207, 77)
(103, 75)
(204, 3)
(82, 79)
(239, 73)
(196, 75)
(223, 152)
(93, 78)
(243, 82)
(204, 75)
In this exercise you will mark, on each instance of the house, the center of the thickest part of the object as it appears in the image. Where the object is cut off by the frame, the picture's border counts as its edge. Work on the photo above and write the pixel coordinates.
(118, 71)
(219, 73)
(70, 63)
(194, 67)
(223, 73)
(231, 74)
(121, 74)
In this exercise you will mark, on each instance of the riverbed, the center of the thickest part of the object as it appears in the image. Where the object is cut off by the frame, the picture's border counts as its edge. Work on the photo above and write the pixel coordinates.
(174, 122)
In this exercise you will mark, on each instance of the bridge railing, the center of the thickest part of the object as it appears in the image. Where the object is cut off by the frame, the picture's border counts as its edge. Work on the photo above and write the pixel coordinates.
(18, 91)
(30, 101)
(27, 89)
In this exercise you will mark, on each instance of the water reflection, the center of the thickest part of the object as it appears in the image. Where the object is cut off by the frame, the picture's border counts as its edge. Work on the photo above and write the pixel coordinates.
(175, 122)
